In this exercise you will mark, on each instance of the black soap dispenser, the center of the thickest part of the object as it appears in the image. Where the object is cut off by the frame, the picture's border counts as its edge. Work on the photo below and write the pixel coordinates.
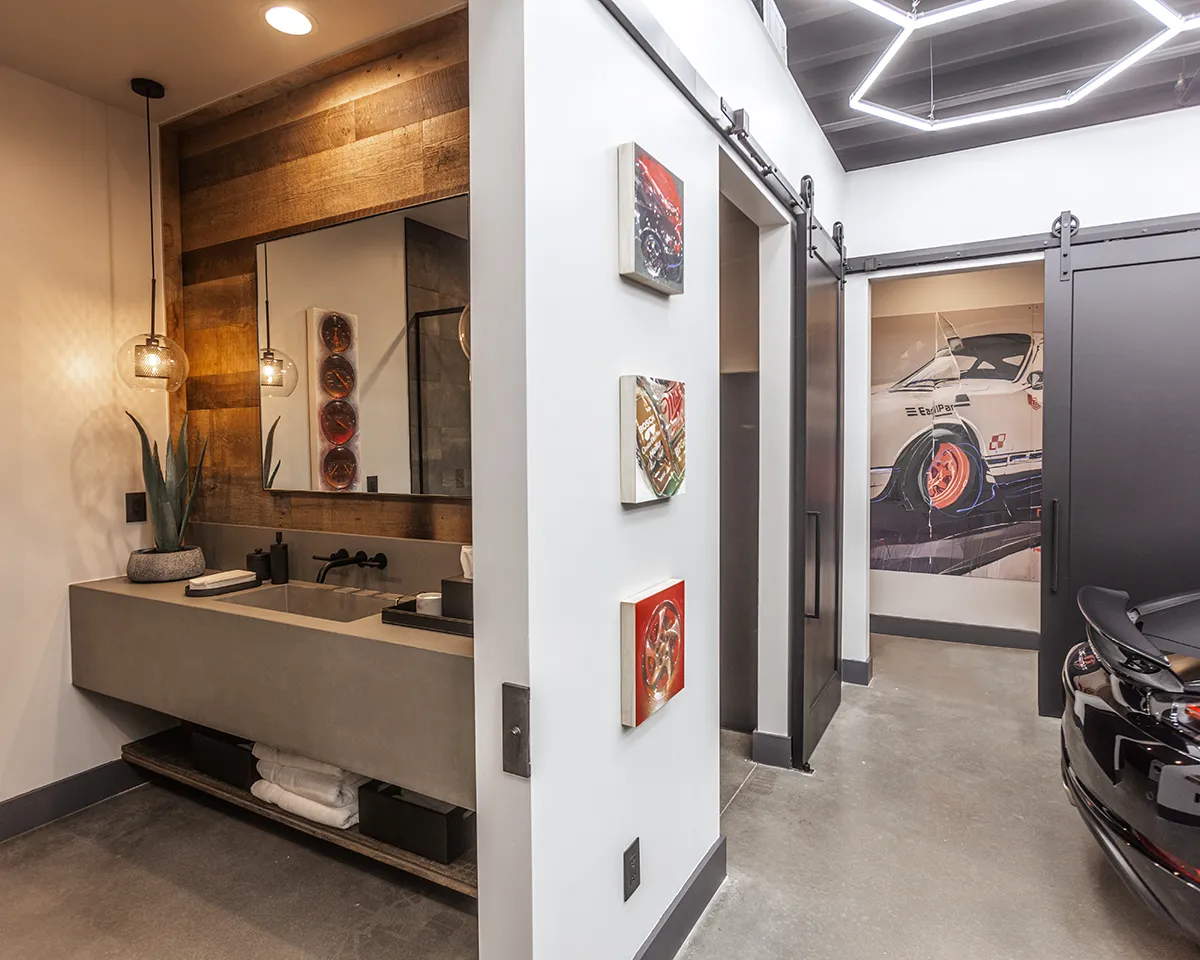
(259, 563)
(279, 559)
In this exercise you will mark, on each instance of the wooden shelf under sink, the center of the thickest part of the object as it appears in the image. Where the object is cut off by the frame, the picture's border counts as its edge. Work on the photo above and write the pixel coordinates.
(166, 754)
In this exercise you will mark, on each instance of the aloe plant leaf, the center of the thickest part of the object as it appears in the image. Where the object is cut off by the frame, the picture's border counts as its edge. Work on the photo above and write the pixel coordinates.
(268, 455)
(170, 479)
(167, 537)
(181, 455)
(187, 510)
(150, 475)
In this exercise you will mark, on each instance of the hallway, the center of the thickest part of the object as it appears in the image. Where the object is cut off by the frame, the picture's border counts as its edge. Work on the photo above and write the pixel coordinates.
(935, 828)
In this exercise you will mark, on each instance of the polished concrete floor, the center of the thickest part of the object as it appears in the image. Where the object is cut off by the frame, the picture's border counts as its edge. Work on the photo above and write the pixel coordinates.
(935, 828)
(160, 874)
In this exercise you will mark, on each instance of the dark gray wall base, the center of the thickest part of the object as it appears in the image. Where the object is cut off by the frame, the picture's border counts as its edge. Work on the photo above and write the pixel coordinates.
(687, 907)
(771, 749)
(858, 672)
(955, 632)
(56, 800)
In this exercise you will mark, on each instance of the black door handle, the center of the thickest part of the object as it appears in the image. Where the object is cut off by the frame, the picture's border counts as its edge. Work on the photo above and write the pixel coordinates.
(1054, 533)
(812, 599)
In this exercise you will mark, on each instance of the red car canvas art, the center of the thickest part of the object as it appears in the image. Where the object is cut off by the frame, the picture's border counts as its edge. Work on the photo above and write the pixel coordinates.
(652, 651)
(651, 206)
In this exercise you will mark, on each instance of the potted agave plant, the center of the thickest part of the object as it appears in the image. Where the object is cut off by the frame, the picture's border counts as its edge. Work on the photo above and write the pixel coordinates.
(170, 498)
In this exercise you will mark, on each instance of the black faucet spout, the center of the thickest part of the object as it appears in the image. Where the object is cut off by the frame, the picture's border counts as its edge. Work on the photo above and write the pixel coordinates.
(342, 558)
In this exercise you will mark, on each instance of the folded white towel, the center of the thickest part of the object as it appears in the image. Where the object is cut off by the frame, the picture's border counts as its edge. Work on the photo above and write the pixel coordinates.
(275, 755)
(331, 791)
(339, 817)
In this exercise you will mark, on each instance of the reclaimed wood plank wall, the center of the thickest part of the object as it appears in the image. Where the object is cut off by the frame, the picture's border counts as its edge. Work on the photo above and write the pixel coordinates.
(350, 138)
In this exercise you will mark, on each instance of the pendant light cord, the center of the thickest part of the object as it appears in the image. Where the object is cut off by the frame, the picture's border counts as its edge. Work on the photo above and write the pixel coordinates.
(153, 258)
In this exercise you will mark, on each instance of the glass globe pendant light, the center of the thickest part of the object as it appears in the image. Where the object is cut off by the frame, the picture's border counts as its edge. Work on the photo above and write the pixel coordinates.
(151, 361)
(277, 374)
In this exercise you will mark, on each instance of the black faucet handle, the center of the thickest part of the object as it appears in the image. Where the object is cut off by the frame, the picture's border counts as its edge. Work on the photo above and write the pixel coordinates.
(342, 554)
(379, 561)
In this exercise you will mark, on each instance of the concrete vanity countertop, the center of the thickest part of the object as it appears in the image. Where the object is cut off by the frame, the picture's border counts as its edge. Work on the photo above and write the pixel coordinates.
(391, 702)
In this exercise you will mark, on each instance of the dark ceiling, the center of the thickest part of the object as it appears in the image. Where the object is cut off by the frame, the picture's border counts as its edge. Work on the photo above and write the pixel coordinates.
(1020, 52)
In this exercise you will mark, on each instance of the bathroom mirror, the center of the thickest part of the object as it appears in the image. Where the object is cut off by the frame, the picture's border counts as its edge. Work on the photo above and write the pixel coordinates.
(364, 378)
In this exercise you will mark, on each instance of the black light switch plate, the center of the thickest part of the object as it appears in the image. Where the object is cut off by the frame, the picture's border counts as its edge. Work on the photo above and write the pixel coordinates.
(135, 507)
(632, 865)
(372, 484)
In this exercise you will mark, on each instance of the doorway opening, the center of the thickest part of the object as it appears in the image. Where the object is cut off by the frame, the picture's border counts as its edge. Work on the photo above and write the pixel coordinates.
(956, 372)
(739, 277)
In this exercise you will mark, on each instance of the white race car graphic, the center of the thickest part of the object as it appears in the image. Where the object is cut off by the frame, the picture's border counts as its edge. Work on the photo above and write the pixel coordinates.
(971, 414)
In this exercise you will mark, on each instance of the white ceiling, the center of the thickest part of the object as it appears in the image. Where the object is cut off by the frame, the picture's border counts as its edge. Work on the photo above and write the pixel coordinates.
(201, 50)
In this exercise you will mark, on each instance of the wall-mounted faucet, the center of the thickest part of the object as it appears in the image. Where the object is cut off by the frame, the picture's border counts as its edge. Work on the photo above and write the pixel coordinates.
(342, 558)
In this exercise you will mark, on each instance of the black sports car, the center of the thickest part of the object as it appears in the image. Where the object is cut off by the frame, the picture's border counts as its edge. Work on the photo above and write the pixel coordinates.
(1131, 744)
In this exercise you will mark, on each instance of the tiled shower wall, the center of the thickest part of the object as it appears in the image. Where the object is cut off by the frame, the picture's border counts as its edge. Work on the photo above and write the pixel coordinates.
(438, 271)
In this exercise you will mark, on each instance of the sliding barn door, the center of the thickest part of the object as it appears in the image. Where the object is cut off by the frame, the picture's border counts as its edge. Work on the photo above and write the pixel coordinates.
(1122, 450)
(817, 516)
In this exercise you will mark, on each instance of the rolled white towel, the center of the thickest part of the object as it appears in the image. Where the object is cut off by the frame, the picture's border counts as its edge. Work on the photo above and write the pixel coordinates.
(274, 755)
(340, 818)
(331, 791)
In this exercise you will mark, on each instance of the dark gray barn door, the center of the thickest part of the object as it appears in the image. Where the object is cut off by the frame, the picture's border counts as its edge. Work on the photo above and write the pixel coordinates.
(817, 664)
(1122, 445)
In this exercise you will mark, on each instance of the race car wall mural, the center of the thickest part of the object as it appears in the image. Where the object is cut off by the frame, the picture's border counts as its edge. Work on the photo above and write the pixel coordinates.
(956, 443)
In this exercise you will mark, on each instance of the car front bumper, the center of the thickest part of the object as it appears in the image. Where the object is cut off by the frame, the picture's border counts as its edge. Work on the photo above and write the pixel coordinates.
(1170, 897)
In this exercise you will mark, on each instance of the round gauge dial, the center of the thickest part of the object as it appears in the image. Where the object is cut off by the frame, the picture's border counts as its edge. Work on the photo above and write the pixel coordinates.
(336, 333)
(339, 468)
(337, 376)
(339, 421)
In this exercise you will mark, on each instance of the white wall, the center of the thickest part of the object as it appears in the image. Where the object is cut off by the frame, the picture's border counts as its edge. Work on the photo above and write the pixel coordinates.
(729, 46)
(1129, 170)
(74, 284)
(1007, 604)
(594, 784)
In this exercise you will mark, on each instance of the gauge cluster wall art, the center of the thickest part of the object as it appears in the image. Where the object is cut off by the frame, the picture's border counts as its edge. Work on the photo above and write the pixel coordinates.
(650, 245)
(653, 439)
(334, 409)
(652, 651)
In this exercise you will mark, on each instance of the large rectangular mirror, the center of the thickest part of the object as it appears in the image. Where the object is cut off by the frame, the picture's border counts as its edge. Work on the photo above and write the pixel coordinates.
(364, 337)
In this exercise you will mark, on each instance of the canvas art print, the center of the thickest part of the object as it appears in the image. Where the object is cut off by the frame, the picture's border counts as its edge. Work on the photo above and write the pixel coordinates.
(652, 651)
(651, 221)
(334, 418)
(653, 439)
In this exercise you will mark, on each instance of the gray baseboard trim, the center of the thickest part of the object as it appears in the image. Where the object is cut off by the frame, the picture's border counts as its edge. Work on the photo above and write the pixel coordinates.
(858, 672)
(687, 907)
(955, 632)
(64, 797)
(771, 749)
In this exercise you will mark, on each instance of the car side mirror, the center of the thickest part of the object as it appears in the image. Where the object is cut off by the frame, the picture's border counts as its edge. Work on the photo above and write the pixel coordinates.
(1035, 380)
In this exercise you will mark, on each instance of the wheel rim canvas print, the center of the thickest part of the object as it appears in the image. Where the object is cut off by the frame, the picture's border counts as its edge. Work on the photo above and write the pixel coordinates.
(652, 651)
(651, 244)
(653, 439)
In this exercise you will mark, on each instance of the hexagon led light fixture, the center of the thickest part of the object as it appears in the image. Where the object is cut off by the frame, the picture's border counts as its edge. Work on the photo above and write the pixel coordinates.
(911, 23)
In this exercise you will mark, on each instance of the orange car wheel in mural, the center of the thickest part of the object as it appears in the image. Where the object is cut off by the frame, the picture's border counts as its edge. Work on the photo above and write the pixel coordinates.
(948, 475)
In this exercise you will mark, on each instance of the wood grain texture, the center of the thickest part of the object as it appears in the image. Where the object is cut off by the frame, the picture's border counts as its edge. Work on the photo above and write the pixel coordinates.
(387, 130)
(172, 242)
(317, 86)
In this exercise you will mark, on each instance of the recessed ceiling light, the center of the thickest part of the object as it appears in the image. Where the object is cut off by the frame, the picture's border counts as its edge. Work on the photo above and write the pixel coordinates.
(289, 20)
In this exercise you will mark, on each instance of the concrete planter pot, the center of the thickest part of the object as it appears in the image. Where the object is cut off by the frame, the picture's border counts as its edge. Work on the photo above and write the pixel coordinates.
(150, 566)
